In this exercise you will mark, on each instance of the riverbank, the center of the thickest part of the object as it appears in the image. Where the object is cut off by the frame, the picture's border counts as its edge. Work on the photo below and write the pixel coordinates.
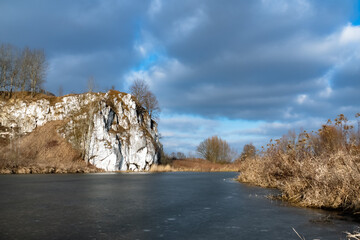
(196, 165)
(319, 170)
(49, 170)
(323, 182)
(79, 166)
(42, 151)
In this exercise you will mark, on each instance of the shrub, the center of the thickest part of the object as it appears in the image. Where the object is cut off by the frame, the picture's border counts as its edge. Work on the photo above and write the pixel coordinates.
(249, 151)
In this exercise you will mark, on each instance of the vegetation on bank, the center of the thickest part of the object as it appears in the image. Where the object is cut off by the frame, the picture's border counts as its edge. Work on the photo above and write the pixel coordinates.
(217, 156)
(318, 169)
(42, 151)
(195, 165)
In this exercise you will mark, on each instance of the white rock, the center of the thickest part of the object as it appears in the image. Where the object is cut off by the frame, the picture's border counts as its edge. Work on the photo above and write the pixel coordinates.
(120, 135)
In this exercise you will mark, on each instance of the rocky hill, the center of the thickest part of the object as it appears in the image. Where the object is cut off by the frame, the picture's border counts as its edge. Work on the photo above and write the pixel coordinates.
(108, 130)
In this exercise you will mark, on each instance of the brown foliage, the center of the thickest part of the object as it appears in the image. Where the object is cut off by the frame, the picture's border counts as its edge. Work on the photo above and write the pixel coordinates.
(320, 169)
(196, 165)
(249, 151)
(42, 151)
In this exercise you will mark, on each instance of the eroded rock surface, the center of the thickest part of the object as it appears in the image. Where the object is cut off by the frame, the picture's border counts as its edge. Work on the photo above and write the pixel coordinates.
(111, 130)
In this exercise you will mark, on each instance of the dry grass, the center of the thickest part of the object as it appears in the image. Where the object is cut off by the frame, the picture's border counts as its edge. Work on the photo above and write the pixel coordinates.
(195, 165)
(42, 151)
(29, 97)
(355, 235)
(162, 168)
(320, 170)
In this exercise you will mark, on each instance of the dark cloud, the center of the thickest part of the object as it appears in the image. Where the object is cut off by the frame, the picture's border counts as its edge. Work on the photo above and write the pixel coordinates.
(276, 61)
(252, 60)
(81, 39)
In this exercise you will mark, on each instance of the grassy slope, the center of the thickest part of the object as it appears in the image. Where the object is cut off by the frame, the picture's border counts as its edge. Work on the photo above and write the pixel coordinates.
(42, 151)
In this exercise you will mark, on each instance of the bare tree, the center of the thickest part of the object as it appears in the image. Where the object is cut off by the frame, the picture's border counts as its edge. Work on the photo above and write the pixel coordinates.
(151, 104)
(14, 70)
(5, 63)
(140, 89)
(215, 150)
(24, 70)
(24, 74)
(10, 61)
(37, 70)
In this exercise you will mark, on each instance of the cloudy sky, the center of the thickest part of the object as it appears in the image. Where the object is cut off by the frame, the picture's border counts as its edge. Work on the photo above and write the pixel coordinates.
(245, 70)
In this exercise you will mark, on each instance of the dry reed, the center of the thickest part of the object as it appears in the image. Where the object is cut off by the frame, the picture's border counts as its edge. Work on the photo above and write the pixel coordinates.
(319, 169)
(195, 165)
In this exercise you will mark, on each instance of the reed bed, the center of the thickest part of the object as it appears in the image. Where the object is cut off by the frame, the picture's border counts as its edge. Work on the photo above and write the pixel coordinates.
(319, 169)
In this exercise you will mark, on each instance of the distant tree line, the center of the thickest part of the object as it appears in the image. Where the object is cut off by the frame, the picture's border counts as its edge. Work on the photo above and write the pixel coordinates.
(21, 69)
(169, 158)
(217, 150)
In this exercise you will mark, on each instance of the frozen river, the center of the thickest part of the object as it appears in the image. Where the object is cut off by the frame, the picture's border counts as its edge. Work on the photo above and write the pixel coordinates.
(153, 206)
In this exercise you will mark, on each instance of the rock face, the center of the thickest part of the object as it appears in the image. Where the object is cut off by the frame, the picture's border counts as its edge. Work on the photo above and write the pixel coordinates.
(111, 130)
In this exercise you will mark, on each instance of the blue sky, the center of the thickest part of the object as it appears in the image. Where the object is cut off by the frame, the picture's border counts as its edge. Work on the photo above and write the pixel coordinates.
(247, 71)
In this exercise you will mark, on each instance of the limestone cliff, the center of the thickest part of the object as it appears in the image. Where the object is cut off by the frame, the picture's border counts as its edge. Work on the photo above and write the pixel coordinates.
(112, 131)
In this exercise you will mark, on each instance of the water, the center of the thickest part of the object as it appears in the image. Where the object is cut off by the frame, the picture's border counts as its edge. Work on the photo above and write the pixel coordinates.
(153, 206)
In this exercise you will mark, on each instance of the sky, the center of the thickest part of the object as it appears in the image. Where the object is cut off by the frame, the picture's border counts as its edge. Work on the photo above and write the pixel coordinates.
(247, 71)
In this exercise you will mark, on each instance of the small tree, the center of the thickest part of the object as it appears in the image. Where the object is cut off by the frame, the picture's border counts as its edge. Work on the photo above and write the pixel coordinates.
(37, 70)
(215, 150)
(14, 71)
(24, 74)
(249, 151)
(140, 90)
(91, 84)
(5, 65)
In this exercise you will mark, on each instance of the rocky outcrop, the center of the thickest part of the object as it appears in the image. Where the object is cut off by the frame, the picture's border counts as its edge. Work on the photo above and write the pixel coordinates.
(112, 131)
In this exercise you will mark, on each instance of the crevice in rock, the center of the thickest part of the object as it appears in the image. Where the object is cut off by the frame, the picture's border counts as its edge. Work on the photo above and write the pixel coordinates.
(109, 120)
(136, 165)
(140, 149)
(119, 156)
(139, 115)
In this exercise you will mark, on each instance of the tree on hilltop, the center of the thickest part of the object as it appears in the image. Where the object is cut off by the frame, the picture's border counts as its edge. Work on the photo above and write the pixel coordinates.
(140, 90)
(21, 70)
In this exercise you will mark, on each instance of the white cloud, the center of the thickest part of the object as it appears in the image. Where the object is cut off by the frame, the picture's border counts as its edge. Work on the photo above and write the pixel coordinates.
(301, 98)
(350, 34)
(163, 71)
